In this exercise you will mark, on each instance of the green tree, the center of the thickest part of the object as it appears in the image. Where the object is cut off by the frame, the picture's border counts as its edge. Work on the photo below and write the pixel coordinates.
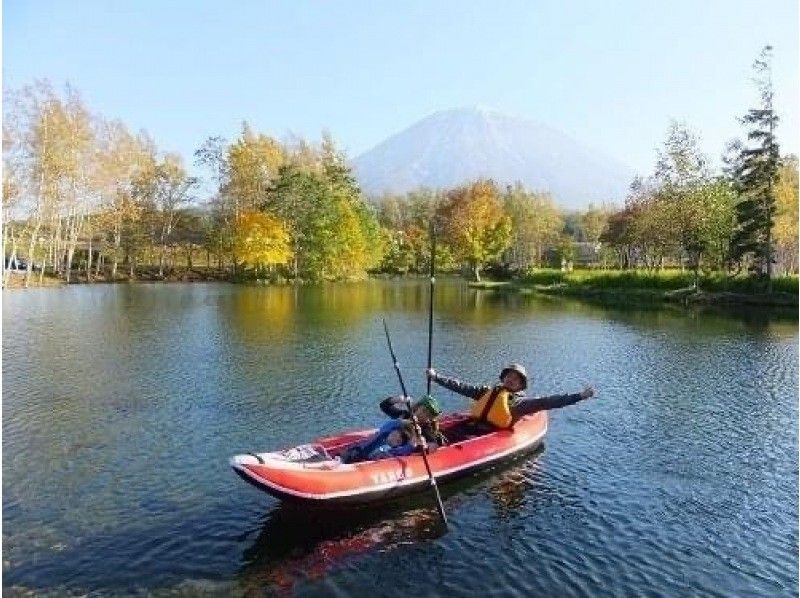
(681, 201)
(756, 174)
(536, 223)
(594, 222)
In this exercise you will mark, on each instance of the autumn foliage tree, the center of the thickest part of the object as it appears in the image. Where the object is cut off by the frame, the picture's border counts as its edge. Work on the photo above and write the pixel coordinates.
(262, 240)
(476, 225)
(786, 214)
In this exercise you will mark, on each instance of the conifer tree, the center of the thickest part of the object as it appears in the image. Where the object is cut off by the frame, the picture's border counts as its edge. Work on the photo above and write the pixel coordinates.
(755, 175)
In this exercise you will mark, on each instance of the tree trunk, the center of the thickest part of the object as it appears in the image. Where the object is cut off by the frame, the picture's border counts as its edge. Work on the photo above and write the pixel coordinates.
(13, 256)
(476, 271)
(54, 248)
(89, 257)
(769, 257)
(31, 248)
(117, 241)
(74, 229)
(5, 237)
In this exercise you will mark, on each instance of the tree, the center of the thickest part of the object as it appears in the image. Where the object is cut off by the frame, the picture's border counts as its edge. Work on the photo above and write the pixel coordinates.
(619, 234)
(31, 123)
(478, 229)
(594, 222)
(786, 214)
(262, 239)
(755, 175)
(680, 195)
(536, 223)
(79, 148)
(12, 188)
(252, 163)
(164, 187)
(122, 161)
(334, 233)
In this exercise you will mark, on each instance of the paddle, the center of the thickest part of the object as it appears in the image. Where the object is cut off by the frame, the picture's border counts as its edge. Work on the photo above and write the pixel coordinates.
(430, 306)
(417, 428)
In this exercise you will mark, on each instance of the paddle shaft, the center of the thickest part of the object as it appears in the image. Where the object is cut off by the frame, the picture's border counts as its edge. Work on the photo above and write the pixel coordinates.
(417, 428)
(430, 305)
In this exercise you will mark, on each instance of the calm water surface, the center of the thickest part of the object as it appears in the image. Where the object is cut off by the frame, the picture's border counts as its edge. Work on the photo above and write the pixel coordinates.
(122, 404)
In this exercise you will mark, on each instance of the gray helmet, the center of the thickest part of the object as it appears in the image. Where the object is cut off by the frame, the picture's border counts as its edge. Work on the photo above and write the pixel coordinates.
(518, 368)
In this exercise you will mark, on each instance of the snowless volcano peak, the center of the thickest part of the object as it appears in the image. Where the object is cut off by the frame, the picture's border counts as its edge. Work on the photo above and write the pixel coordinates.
(452, 147)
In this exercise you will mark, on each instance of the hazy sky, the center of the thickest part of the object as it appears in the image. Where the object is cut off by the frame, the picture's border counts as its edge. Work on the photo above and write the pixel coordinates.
(610, 74)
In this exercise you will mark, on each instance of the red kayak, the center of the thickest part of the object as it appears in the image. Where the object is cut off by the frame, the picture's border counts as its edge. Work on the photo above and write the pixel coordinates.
(312, 474)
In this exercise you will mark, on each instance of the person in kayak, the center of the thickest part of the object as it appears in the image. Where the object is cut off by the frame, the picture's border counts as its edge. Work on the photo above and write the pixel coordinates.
(426, 410)
(396, 438)
(502, 405)
(393, 439)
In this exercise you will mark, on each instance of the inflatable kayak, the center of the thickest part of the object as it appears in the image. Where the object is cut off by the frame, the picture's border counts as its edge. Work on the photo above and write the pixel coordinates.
(312, 474)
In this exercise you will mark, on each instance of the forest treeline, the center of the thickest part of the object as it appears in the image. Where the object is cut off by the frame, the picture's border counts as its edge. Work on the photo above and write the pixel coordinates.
(85, 198)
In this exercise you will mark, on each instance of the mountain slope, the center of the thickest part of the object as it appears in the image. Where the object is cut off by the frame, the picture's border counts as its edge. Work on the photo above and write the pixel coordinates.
(455, 146)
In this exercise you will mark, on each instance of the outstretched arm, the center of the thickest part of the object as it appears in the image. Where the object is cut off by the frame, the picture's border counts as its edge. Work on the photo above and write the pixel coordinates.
(530, 405)
(462, 388)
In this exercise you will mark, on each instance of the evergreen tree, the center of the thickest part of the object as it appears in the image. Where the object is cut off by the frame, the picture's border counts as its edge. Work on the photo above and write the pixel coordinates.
(755, 175)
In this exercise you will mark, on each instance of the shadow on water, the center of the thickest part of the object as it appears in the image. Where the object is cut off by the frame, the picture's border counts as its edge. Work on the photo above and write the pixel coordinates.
(295, 544)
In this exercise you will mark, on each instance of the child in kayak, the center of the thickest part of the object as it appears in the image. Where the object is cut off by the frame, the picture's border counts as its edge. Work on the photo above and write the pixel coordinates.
(426, 410)
(502, 405)
(396, 438)
(393, 439)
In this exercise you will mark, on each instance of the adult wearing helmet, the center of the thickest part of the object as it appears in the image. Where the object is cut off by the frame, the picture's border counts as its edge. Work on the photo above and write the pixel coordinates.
(503, 404)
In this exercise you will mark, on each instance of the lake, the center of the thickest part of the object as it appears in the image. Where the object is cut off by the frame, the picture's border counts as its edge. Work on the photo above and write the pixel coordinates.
(123, 403)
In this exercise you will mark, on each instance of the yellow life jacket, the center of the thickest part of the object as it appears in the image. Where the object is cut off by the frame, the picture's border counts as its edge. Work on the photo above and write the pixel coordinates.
(493, 407)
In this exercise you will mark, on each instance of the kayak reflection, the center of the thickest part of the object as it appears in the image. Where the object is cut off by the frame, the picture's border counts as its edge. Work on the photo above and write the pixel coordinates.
(296, 543)
(299, 544)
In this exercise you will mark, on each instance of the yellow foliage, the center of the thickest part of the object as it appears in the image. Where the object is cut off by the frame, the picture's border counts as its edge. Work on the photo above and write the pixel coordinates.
(253, 162)
(786, 217)
(261, 239)
(786, 200)
(479, 230)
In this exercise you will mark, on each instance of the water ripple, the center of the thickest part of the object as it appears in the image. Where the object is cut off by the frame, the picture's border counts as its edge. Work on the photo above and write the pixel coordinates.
(122, 404)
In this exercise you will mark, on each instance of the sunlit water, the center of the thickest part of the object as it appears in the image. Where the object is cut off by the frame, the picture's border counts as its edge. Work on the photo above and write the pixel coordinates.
(122, 404)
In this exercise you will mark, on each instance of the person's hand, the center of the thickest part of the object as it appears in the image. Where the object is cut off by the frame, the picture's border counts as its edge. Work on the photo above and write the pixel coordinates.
(430, 373)
(587, 392)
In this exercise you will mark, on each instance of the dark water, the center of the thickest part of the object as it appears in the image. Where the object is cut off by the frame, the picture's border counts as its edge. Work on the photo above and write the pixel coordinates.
(121, 405)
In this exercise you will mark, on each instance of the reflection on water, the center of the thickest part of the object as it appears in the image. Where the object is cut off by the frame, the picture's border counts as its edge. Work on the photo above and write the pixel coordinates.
(122, 404)
(295, 543)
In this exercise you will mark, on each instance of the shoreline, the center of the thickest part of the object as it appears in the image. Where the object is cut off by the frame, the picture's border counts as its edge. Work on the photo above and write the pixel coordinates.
(683, 296)
(16, 280)
(687, 296)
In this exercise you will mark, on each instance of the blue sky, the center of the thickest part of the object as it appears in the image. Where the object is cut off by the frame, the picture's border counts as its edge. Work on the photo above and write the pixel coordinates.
(610, 74)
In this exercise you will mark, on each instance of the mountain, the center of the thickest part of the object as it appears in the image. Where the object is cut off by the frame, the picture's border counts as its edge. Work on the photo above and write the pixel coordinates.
(452, 147)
